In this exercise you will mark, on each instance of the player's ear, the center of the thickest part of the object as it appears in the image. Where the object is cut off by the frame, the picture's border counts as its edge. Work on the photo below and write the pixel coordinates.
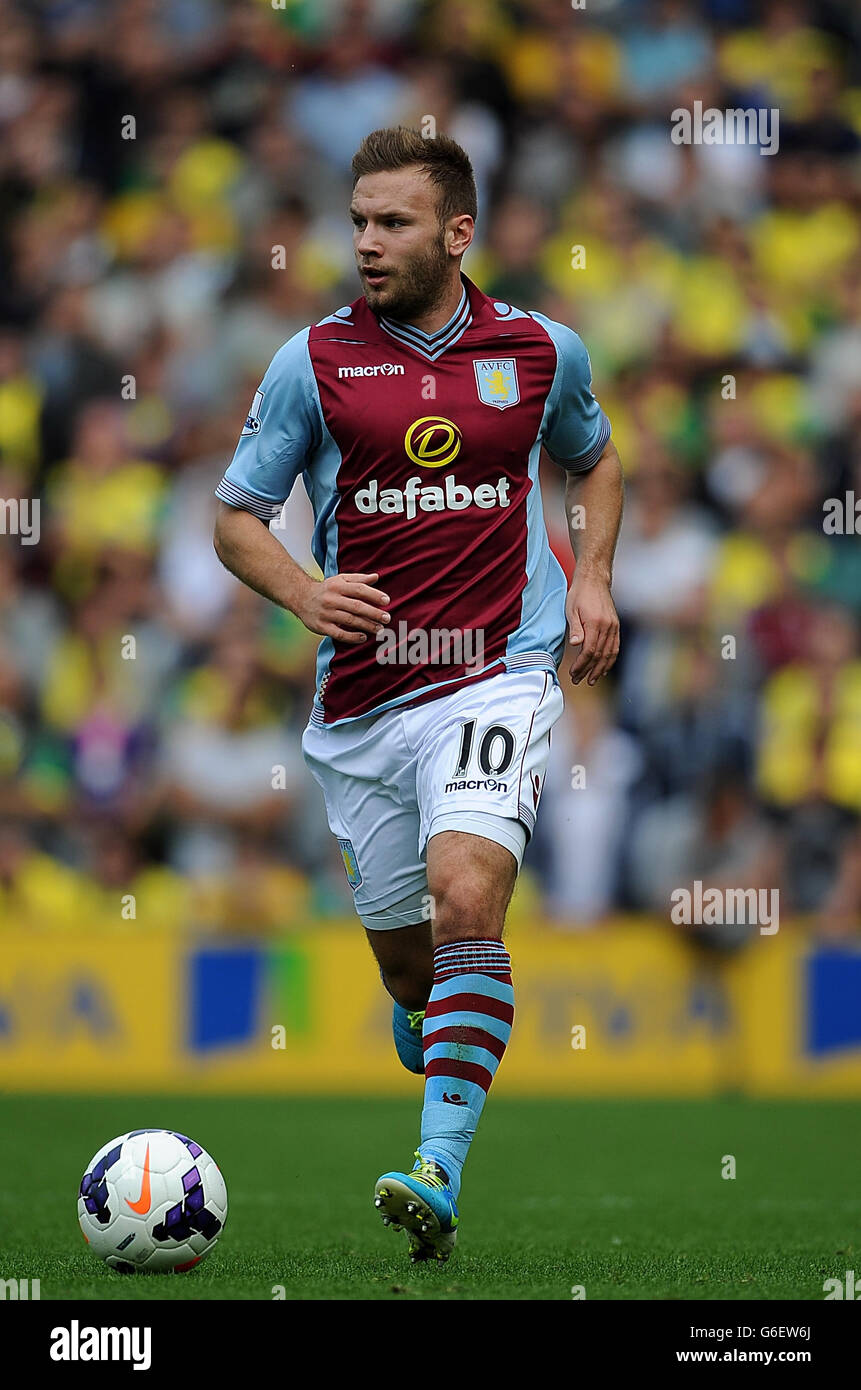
(459, 233)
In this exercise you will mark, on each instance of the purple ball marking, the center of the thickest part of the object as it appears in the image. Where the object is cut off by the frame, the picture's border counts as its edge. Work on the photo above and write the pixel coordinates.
(190, 1179)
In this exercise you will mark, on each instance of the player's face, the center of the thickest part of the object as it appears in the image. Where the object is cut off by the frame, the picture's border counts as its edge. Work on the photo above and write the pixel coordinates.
(401, 249)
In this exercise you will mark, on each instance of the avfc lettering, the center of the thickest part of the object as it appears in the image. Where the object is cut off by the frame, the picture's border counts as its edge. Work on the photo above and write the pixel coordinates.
(418, 496)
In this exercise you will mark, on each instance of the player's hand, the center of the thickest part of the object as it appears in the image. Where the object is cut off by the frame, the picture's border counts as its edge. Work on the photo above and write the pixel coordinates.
(345, 607)
(593, 626)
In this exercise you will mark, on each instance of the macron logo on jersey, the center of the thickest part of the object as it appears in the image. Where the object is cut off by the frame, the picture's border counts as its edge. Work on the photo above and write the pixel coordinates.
(382, 369)
(418, 496)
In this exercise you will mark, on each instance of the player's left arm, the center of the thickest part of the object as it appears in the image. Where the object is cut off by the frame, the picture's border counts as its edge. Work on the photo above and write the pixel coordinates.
(593, 506)
(576, 433)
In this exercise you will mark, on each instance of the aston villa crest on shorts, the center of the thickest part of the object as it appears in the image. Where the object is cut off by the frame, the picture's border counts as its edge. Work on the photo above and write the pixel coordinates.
(496, 379)
(351, 863)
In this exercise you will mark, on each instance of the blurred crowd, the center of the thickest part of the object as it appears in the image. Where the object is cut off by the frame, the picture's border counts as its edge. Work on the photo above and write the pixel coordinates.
(154, 155)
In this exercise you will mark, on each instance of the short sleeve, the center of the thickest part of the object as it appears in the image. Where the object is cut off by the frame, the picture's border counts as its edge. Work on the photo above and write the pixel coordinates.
(280, 433)
(575, 428)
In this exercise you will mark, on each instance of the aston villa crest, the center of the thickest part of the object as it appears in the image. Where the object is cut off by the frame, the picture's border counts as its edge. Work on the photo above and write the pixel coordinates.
(351, 863)
(496, 379)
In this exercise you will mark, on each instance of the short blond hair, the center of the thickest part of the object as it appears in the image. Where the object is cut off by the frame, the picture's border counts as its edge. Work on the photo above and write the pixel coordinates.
(444, 161)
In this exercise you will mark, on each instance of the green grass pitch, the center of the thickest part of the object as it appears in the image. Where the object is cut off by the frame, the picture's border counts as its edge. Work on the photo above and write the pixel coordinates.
(623, 1197)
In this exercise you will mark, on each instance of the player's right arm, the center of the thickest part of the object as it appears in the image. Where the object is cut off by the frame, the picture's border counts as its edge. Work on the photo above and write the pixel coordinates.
(344, 607)
(281, 432)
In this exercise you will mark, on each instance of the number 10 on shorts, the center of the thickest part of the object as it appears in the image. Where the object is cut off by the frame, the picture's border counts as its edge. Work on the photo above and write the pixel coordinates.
(495, 753)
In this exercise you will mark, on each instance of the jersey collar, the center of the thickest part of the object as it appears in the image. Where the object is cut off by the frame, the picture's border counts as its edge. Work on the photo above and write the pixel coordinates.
(432, 345)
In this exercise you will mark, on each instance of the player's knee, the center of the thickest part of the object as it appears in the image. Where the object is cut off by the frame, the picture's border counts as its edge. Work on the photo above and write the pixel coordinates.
(463, 910)
(409, 984)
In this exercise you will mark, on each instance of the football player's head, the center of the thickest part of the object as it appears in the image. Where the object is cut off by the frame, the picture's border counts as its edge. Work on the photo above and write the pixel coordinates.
(413, 209)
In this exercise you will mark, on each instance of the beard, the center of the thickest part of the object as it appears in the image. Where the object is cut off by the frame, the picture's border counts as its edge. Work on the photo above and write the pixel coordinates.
(415, 288)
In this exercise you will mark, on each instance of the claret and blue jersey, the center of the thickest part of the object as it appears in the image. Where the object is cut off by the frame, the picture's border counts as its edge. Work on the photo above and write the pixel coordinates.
(419, 453)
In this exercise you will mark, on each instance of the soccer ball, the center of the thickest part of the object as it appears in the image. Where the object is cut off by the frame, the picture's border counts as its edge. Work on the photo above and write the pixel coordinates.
(152, 1201)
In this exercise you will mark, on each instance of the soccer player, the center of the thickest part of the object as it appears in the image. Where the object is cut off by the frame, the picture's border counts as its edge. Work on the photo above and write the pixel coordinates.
(416, 416)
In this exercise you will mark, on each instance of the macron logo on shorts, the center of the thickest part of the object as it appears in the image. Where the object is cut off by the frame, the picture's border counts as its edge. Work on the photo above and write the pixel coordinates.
(477, 784)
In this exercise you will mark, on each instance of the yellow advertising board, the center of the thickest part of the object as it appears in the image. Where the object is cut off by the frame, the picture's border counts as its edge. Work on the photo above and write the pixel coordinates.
(628, 1009)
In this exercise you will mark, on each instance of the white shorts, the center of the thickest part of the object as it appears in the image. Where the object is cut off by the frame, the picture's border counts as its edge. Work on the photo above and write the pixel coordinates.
(472, 761)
